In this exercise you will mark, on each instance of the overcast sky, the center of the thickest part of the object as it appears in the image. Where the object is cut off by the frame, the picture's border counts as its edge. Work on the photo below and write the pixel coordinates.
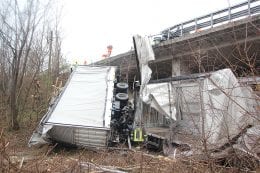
(90, 25)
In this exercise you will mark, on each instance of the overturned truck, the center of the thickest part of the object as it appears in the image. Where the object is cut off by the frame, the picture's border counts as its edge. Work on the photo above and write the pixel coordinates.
(92, 110)
(210, 111)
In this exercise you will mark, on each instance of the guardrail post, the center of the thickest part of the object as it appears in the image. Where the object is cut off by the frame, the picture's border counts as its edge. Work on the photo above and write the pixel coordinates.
(168, 34)
(211, 20)
(229, 13)
(249, 9)
(181, 29)
(196, 22)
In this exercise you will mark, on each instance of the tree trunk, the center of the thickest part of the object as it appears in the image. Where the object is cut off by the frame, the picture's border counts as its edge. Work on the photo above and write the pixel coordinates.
(13, 121)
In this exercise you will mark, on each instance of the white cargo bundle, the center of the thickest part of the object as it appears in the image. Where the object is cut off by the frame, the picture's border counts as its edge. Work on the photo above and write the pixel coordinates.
(81, 114)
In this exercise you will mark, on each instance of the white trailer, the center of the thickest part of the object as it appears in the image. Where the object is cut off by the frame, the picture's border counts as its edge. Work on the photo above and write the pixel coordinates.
(81, 114)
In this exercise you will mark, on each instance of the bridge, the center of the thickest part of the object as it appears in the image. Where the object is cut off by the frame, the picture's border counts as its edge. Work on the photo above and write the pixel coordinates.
(229, 38)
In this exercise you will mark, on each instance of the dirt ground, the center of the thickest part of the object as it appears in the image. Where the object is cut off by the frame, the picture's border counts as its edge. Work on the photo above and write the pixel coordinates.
(16, 156)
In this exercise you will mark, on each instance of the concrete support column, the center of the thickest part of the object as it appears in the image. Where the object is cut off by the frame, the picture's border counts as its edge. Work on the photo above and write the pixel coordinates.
(176, 67)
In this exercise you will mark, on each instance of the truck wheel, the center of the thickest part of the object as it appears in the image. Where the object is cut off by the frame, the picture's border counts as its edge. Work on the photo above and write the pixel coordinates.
(121, 96)
(121, 87)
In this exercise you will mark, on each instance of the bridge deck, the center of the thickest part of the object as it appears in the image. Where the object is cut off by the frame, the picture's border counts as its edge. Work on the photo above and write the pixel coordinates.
(208, 50)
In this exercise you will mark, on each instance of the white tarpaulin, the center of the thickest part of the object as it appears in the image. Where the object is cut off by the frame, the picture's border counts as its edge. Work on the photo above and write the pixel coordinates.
(216, 104)
(161, 97)
(144, 54)
(228, 107)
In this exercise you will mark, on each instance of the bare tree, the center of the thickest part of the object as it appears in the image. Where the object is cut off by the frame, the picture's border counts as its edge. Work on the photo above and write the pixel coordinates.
(19, 25)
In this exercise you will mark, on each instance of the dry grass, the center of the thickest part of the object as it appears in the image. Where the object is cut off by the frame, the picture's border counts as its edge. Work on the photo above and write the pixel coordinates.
(17, 157)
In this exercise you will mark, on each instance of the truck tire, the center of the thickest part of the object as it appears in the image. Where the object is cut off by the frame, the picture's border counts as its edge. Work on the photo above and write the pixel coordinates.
(121, 87)
(121, 97)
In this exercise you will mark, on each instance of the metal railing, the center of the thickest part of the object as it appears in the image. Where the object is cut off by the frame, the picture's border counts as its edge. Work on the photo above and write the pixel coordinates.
(248, 8)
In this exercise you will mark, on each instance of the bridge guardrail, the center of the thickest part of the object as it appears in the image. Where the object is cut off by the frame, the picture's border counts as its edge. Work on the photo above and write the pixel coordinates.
(248, 8)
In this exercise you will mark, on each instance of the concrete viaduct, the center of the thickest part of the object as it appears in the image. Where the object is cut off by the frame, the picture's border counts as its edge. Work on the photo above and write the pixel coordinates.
(234, 45)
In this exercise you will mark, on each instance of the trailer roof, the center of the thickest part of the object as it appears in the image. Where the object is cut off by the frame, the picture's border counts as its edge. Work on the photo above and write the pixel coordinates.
(86, 99)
